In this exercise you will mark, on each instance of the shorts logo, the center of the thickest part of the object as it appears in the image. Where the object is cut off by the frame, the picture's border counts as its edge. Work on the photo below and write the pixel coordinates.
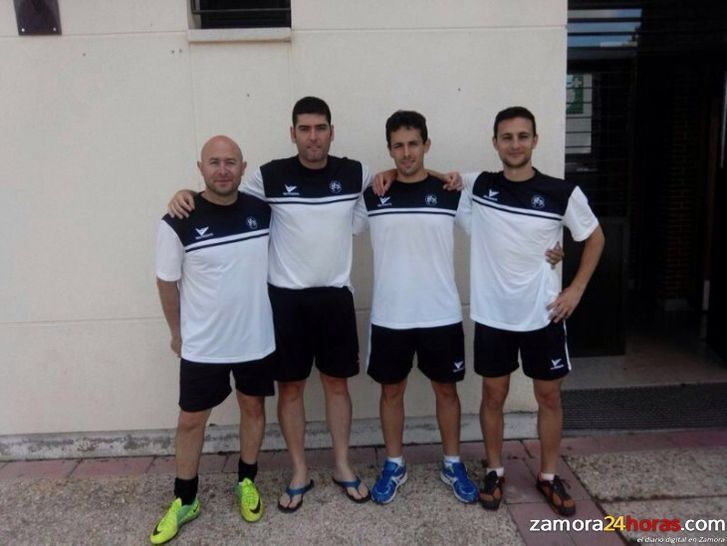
(335, 186)
(291, 190)
(384, 202)
(458, 366)
(202, 233)
(537, 201)
(491, 195)
(430, 200)
(251, 222)
(556, 363)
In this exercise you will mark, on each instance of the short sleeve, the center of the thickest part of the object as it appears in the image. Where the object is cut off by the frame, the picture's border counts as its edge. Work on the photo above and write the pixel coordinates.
(463, 217)
(366, 178)
(254, 186)
(579, 217)
(360, 217)
(169, 254)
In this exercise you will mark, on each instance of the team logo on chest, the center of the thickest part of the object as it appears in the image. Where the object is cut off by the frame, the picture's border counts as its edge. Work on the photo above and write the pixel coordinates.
(384, 201)
(291, 190)
(335, 186)
(537, 201)
(251, 222)
(491, 195)
(430, 200)
(202, 233)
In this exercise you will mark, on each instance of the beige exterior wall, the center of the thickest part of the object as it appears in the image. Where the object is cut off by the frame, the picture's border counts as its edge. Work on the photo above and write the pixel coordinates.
(102, 124)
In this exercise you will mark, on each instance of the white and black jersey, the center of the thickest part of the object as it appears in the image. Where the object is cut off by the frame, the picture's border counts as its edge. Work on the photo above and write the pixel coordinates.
(312, 219)
(413, 244)
(219, 256)
(513, 224)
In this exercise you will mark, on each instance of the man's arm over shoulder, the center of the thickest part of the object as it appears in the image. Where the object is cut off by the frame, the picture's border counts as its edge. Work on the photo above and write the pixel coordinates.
(255, 185)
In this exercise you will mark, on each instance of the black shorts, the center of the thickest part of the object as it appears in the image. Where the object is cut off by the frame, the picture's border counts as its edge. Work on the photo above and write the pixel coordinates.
(314, 323)
(439, 350)
(544, 352)
(203, 386)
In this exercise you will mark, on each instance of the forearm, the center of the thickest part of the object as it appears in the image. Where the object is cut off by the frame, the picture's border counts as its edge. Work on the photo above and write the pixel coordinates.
(592, 249)
(169, 298)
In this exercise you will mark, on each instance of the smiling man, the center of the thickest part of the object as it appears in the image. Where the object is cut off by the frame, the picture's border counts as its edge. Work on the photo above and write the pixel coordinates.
(416, 308)
(212, 278)
(516, 299)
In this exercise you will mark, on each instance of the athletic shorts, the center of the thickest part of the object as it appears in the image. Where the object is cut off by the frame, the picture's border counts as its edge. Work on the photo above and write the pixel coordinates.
(544, 352)
(439, 351)
(203, 386)
(314, 324)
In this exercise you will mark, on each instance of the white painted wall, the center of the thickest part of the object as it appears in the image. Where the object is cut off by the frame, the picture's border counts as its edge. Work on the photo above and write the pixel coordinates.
(102, 124)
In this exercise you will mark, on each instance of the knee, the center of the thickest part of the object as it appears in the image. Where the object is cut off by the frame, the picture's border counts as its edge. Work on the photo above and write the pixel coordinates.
(289, 392)
(191, 421)
(335, 386)
(253, 408)
(445, 392)
(392, 393)
(549, 401)
(494, 399)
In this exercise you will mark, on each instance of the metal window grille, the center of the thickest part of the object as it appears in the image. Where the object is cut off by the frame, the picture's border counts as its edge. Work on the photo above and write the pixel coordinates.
(242, 13)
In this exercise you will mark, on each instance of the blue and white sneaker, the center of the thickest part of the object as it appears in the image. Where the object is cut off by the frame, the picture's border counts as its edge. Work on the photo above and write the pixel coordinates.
(391, 478)
(455, 474)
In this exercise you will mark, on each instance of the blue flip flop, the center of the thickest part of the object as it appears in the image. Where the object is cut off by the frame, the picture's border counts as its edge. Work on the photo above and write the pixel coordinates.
(353, 484)
(292, 493)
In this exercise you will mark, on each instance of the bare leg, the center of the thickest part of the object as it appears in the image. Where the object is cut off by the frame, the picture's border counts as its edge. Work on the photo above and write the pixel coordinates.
(448, 416)
(338, 416)
(190, 438)
(550, 419)
(252, 426)
(391, 412)
(291, 416)
(494, 393)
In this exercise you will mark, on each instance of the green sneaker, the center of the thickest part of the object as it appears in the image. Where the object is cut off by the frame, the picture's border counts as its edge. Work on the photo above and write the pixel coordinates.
(177, 515)
(251, 505)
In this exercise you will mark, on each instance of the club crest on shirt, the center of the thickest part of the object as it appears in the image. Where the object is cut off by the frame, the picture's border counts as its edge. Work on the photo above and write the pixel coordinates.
(430, 200)
(537, 201)
(491, 195)
(335, 186)
(251, 222)
(202, 233)
(291, 190)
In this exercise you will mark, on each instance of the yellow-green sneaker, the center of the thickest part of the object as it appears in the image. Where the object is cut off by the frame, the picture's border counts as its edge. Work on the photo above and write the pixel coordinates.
(177, 515)
(251, 505)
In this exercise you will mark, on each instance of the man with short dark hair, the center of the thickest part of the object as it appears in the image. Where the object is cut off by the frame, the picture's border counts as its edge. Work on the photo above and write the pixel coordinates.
(516, 299)
(416, 307)
(212, 278)
(312, 196)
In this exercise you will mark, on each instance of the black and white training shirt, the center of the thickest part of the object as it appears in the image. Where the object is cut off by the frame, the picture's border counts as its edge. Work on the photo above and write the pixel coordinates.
(513, 224)
(312, 219)
(219, 255)
(413, 245)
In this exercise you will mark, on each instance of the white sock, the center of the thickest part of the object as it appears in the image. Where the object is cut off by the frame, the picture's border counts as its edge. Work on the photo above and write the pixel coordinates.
(500, 471)
(449, 460)
(547, 477)
(397, 460)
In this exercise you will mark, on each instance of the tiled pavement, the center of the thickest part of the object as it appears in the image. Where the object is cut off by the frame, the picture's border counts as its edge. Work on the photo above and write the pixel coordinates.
(593, 465)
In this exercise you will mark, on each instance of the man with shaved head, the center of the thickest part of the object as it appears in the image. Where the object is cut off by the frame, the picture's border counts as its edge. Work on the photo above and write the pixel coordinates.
(211, 270)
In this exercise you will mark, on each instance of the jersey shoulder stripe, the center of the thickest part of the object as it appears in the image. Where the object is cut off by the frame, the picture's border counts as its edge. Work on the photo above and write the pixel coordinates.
(288, 178)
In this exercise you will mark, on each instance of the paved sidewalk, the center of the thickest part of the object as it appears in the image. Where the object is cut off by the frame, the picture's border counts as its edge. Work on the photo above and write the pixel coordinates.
(654, 475)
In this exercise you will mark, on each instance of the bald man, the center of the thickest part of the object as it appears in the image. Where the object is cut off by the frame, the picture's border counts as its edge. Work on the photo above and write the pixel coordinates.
(211, 273)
